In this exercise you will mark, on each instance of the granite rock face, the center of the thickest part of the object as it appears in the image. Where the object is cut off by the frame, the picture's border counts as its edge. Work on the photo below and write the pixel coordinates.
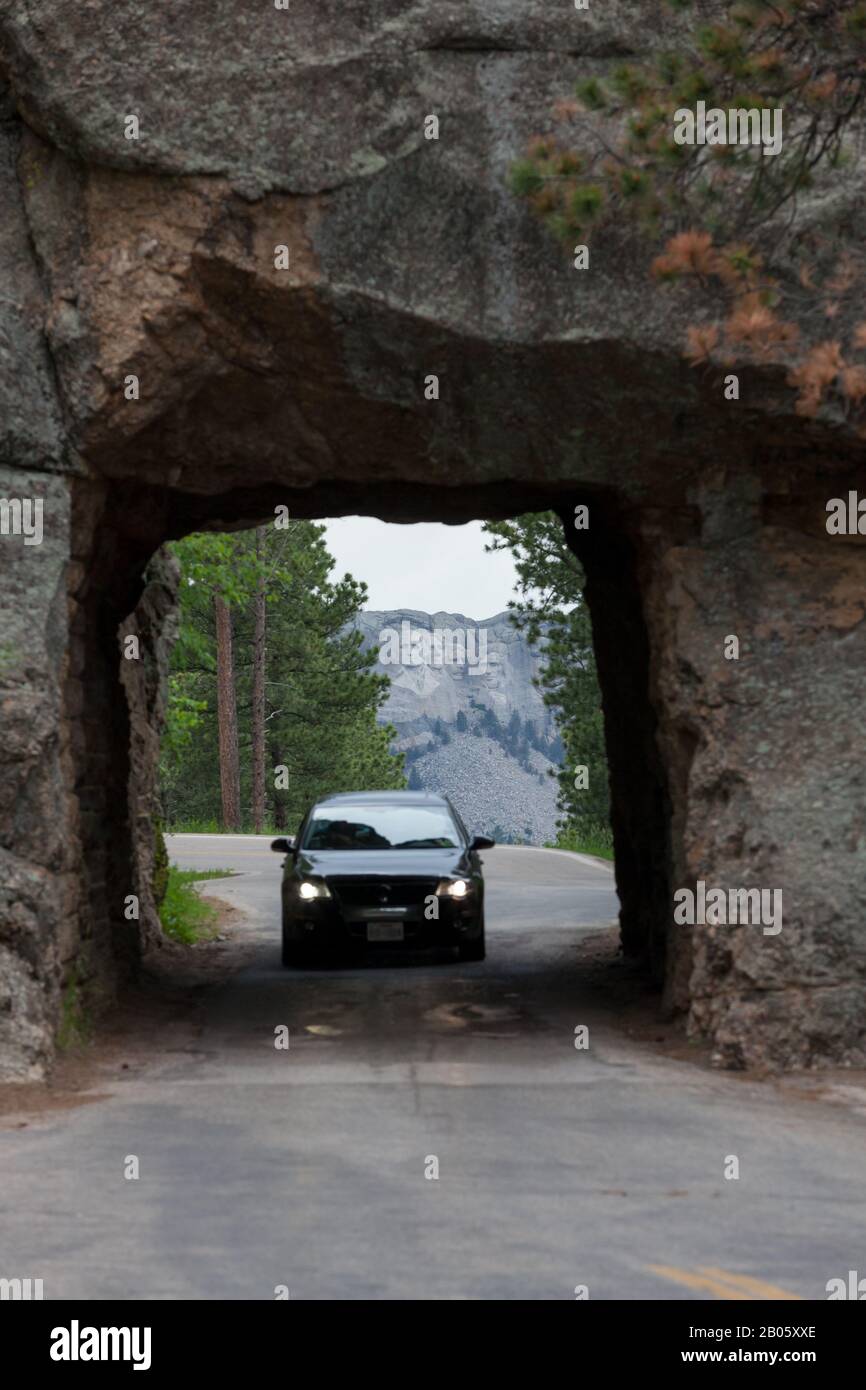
(444, 665)
(160, 371)
(440, 664)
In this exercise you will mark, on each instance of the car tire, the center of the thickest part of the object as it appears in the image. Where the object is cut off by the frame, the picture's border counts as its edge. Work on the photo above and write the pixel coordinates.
(474, 949)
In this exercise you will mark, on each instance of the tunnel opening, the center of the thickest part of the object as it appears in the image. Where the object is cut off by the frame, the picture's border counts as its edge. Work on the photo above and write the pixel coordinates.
(127, 587)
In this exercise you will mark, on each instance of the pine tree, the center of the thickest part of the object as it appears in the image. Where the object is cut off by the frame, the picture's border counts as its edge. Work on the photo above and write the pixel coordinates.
(320, 694)
(227, 717)
(551, 612)
(258, 714)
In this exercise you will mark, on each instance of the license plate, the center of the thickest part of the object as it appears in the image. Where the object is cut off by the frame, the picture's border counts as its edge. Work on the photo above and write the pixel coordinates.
(384, 931)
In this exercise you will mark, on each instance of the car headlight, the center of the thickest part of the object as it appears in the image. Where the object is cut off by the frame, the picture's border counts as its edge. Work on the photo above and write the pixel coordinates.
(454, 888)
(308, 890)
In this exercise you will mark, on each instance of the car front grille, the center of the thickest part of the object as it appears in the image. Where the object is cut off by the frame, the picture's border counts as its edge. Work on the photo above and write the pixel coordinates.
(360, 893)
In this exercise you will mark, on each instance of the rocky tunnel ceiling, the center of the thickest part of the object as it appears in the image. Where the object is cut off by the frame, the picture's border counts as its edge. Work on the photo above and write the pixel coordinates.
(282, 261)
(406, 257)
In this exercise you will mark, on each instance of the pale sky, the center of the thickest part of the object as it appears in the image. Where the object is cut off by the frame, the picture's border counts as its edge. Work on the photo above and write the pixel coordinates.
(427, 566)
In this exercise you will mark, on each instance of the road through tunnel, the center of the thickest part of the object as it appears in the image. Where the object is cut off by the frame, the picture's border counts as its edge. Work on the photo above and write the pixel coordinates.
(128, 588)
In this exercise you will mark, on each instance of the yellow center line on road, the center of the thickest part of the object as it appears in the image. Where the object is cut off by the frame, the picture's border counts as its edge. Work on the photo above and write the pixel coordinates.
(723, 1284)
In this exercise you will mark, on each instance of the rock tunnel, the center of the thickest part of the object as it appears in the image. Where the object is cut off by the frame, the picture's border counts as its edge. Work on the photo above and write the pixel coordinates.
(244, 308)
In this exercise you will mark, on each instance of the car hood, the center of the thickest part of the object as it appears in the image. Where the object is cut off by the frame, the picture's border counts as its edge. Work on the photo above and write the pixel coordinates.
(383, 863)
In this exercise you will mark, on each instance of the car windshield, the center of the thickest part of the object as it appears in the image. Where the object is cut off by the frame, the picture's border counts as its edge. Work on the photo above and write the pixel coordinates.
(383, 827)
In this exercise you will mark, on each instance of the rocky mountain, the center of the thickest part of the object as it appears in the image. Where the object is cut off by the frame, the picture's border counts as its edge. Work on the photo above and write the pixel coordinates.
(468, 716)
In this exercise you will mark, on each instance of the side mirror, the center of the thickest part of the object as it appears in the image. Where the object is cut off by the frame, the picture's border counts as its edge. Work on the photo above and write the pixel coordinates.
(285, 845)
(482, 842)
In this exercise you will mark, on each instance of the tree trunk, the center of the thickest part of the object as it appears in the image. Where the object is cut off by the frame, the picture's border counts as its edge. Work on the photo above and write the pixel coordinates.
(227, 718)
(279, 810)
(258, 715)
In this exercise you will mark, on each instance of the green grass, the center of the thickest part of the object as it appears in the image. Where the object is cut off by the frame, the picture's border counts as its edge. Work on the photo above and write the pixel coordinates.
(213, 827)
(595, 839)
(185, 915)
(74, 1028)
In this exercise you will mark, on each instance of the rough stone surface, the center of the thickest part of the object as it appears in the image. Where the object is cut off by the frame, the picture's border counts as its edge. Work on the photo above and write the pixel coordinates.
(430, 682)
(30, 417)
(493, 793)
(776, 785)
(154, 625)
(155, 258)
(38, 898)
(430, 686)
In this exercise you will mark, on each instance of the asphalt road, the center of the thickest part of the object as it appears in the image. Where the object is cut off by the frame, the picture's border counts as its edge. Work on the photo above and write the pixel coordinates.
(306, 1167)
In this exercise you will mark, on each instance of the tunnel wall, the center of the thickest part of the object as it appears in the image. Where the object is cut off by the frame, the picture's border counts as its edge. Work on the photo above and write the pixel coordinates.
(764, 756)
(739, 772)
(40, 883)
(639, 796)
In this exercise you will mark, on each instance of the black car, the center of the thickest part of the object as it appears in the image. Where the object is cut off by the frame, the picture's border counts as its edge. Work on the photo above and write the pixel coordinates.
(382, 868)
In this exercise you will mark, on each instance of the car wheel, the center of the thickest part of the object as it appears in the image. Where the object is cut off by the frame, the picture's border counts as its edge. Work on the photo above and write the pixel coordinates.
(474, 949)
